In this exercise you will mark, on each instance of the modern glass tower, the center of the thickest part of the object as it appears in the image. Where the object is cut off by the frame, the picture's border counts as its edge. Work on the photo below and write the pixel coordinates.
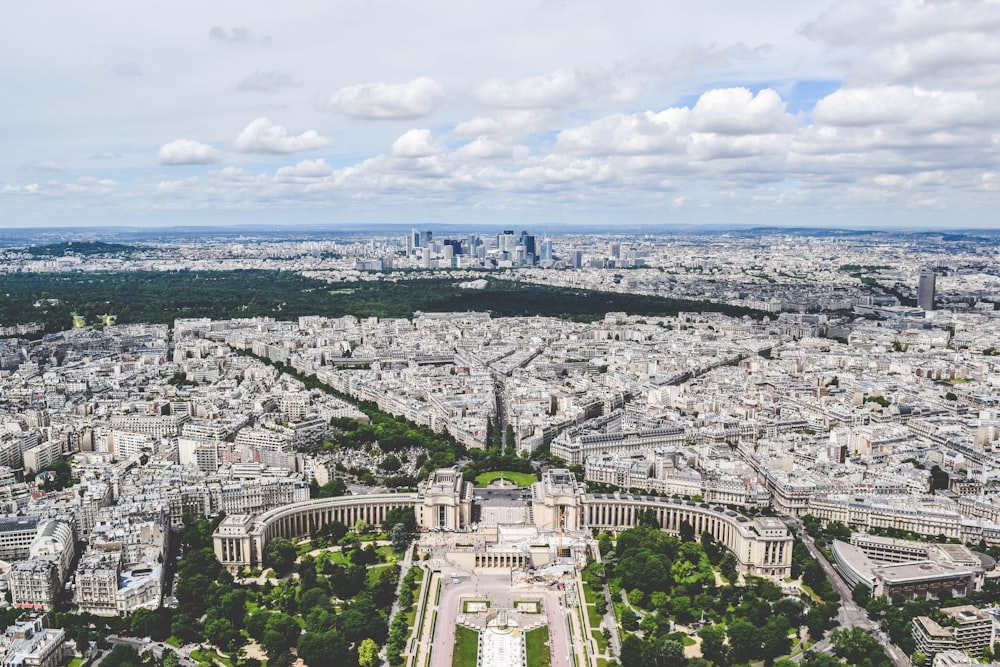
(925, 290)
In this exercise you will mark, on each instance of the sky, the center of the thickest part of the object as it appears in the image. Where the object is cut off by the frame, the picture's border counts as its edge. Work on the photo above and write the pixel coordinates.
(551, 113)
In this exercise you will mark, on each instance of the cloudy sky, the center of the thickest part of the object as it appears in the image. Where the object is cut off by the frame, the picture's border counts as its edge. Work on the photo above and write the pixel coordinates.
(530, 113)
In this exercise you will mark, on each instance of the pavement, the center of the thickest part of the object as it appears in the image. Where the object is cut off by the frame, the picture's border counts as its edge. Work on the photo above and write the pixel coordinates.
(850, 613)
(497, 589)
(142, 644)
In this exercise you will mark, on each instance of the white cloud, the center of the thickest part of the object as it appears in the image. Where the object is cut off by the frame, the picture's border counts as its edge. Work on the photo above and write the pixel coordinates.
(628, 134)
(890, 180)
(174, 187)
(263, 136)
(671, 110)
(510, 125)
(552, 90)
(731, 122)
(954, 44)
(307, 169)
(187, 151)
(485, 148)
(738, 111)
(388, 101)
(30, 189)
(900, 105)
(416, 143)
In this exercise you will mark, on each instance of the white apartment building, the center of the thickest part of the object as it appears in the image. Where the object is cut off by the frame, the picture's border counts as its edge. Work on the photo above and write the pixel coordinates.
(34, 583)
(97, 582)
(42, 456)
(30, 644)
(127, 444)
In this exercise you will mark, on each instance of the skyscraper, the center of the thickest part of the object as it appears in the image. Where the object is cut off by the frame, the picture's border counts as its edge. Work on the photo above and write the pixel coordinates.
(925, 290)
(546, 248)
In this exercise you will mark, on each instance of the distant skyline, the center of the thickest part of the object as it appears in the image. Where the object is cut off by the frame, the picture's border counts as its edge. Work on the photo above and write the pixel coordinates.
(528, 114)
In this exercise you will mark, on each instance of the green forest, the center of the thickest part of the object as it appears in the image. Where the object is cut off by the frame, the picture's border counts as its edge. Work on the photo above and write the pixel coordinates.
(163, 296)
(85, 249)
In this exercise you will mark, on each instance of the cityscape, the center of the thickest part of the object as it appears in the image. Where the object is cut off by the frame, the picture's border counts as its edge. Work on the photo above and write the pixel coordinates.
(810, 420)
(500, 334)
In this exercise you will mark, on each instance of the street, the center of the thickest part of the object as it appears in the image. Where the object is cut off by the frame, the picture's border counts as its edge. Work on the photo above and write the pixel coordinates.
(850, 614)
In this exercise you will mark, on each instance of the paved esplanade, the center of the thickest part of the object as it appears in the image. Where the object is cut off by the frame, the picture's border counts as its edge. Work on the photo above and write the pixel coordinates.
(497, 590)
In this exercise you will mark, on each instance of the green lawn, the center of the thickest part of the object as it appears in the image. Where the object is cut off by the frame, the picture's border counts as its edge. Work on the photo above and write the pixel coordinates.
(595, 618)
(210, 658)
(536, 646)
(75, 662)
(467, 647)
(388, 554)
(519, 478)
(336, 557)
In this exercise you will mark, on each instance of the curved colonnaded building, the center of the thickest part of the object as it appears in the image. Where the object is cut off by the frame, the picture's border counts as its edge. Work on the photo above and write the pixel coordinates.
(557, 504)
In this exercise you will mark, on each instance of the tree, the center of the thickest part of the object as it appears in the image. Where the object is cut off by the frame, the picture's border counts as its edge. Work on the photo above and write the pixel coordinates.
(333, 489)
(383, 589)
(791, 609)
(256, 623)
(185, 627)
(854, 644)
(939, 479)
(629, 622)
(686, 531)
(632, 651)
(918, 657)
(877, 606)
(813, 574)
(860, 594)
(745, 640)
(170, 658)
(220, 631)
(390, 463)
(366, 556)
(713, 644)
(280, 634)
(361, 619)
(755, 610)
(814, 659)
(122, 655)
(664, 652)
(647, 517)
(680, 606)
(400, 537)
(314, 598)
(335, 531)
(727, 567)
(775, 641)
(280, 555)
(326, 649)
(403, 515)
(367, 653)
(153, 623)
(711, 547)
(816, 622)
